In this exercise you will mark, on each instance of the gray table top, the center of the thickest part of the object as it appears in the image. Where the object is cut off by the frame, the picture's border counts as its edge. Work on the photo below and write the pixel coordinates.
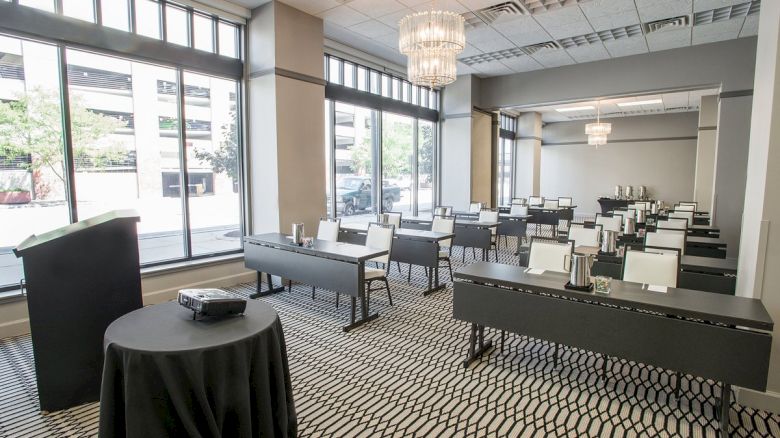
(404, 232)
(703, 228)
(717, 308)
(687, 262)
(500, 215)
(322, 248)
(709, 241)
(476, 224)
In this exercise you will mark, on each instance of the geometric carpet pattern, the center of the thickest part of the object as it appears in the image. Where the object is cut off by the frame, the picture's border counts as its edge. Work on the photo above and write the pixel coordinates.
(402, 375)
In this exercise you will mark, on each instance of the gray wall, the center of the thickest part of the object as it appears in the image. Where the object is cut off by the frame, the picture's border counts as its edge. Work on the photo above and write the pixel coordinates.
(657, 151)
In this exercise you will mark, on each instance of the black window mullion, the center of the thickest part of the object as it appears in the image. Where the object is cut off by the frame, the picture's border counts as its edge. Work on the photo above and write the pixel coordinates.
(215, 34)
(190, 27)
(98, 11)
(242, 192)
(376, 163)
(415, 166)
(332, 164)
(131, 18)
(58, 7)
(163, 20)
(67, 136)
(184, 177)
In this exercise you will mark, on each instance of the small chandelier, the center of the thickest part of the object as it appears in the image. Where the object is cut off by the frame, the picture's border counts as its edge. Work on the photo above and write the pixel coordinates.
(597, 132)
(431, 40)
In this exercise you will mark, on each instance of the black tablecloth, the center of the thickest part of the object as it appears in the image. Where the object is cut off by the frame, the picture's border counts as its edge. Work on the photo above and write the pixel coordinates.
(168, 375)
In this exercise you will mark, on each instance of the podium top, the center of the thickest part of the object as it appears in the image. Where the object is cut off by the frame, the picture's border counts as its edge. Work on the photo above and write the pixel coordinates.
(49, 236)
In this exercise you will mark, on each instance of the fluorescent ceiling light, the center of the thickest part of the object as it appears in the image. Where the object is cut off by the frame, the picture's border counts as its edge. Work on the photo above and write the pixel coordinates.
(640, 102)
(575, 108)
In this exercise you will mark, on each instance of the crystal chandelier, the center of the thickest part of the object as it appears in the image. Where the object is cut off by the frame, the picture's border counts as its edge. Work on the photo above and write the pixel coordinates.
(431, 40)
(597, 132)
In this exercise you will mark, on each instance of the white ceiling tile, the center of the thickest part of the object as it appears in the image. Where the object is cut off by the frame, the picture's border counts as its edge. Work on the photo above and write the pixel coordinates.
(469, 50)
(478, 4)
(706, 5)
(343, 16)
(652, 10)
(569, 30)
(492, 68)
(718, 31)
(626, 46)
(669, 39)
(516, 24)
(600, 8)
(482, 34)
(312, 7)
(376, 8)
(560, 17)
(528, 39)
(393, 18)
(372, 29)
(493, 45)
(341, 34)
(464, 69)
(522, 63)
(613, 21)
(750, 28)
(675, 100)
(389, 39)
(442, 5)
(411, 3)
(553, 58)
(589, 53)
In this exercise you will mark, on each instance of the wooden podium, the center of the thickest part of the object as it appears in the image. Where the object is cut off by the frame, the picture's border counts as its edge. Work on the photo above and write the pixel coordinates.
(79, 279)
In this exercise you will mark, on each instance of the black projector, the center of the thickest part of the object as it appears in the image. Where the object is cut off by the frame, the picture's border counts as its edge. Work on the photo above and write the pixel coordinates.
(212, 302)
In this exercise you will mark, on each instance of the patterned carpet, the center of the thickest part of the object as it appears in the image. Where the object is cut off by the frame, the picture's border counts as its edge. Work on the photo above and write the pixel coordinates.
(402, 375)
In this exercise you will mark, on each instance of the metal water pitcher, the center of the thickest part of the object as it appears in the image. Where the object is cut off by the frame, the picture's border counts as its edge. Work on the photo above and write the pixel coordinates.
(609, 242)
(383, 218)
(297, 234)
(642, 192)
(579, 267)
(640, 216)
(629, 227)
(618, 192)
(653, 208)
(440, 211)
(629, 192)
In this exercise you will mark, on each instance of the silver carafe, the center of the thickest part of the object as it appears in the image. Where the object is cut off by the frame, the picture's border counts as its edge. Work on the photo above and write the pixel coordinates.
(629, 192)
(579, 269)
(383, 218)
(297, 234)
(653, 208)
(609, 242)
(642, 192)
(640, 216)
(629, 227)
(618, 192)
(440, 211)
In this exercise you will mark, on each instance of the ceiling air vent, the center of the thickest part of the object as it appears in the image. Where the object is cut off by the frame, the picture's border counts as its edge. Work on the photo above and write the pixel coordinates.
(727, 13)
(534, 48)
(667, 23)
(536, 6)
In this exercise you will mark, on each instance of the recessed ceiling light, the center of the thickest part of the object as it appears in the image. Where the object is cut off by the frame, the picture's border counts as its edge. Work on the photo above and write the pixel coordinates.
(575, 108)
(640, 102)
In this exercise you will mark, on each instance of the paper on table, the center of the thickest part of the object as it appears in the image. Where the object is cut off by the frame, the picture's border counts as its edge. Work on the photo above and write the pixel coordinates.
(536, 271)
(654, 288)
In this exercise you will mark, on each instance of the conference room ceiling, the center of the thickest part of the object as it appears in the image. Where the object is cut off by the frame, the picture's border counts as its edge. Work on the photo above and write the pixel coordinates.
(661, 103)
(505, 36)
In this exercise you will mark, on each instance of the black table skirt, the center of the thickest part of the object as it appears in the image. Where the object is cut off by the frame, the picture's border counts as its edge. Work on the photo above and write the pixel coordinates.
(166, 375)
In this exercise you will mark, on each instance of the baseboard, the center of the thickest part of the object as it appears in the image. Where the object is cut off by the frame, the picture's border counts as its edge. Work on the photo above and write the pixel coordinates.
(765, 401)
(163, 295)
(15, 328)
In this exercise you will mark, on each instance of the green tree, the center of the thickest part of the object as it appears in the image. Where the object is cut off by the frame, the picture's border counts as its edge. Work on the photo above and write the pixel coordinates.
(32, 125)
(396, 149)
(224, 159)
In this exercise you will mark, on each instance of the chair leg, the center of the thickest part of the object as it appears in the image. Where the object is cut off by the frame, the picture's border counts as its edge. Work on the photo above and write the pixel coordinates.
(449, 266)
(289, 285)
(604, 368)
(399, 266)
(409, 277)
(473, 253)
(503, 335)
(678, 385)
(463, 259)
(496, 252)
(313, 288)
(555, 356)
(337, 300)
(389, 297)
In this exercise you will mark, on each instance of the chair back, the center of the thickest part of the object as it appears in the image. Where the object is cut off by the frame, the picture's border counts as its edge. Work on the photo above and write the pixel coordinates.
(443, 225)
(549, 255)
(640, 205)
(518, 210)
(685, 207)
(552, 204)
(564, 202)
(673, 223)
(536, 200)
(328, 230)
(380, 236)
(667, 238)
(489, 216)
(611, 223)
(519, 201)
(475, 207)
(660, 269)
(393, 218)
(677, 214)
(447, 210)
(583, 236)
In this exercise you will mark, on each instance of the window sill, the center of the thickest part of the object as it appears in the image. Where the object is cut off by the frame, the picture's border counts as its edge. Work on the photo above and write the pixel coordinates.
(15, 295)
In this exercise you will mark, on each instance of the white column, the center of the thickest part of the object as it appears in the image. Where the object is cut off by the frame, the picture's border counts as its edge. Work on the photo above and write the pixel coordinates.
(759, 252)
(705, 152)
(528, 159)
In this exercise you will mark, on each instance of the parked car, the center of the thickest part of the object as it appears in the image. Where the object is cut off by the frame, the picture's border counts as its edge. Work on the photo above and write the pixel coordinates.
(354, 194)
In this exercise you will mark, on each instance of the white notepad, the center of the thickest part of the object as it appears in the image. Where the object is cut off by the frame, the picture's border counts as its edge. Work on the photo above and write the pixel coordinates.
(654, 288)
(535, 271)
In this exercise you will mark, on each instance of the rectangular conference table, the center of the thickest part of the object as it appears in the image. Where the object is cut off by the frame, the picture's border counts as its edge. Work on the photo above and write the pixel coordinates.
(415, 247)
(700, 273)
(334, 266)
(720, 337)
(695, 245)
(468, 233)
(509, 224)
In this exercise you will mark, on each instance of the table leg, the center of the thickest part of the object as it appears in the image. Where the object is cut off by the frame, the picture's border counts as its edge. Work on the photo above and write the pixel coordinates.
(364, 315)
(474, 353)
(725, 404)
(271, 289)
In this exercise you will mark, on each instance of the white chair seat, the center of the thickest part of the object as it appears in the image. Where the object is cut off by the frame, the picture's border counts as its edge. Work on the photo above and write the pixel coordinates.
(371, 273)
(443, 254)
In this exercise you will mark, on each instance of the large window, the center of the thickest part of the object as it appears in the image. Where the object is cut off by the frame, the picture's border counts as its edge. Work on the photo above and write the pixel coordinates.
(379, 158)
(505, 159)
(160, 140)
